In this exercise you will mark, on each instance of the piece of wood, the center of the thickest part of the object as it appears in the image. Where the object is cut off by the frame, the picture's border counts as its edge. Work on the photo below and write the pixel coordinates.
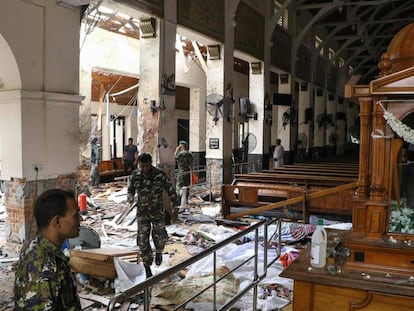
(97, 262)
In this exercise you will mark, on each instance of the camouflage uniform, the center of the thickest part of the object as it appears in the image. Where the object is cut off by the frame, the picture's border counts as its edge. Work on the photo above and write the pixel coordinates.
(43, 279)
(184, 163)
(150, 209)
(95, 158)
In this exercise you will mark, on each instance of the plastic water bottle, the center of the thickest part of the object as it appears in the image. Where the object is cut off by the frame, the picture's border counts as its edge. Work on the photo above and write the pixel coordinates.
(318, 246)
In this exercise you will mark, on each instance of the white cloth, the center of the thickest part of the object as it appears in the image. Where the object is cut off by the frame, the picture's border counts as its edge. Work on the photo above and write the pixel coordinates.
(278, 155)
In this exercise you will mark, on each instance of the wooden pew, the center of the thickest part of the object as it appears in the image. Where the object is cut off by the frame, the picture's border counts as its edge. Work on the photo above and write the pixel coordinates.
(251, 200)
(240, 198)
(110, 169)
(285, 183)
(295, 178)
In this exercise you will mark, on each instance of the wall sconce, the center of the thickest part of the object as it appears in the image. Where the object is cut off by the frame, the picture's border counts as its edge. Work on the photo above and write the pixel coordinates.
(213, 51)
(256, 68)
(147, 27)
(153, 105)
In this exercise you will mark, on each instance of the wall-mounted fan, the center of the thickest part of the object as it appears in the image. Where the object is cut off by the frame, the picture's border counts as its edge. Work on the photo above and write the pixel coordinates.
(249, 144)
(302, 141)
(218, 107)
(324, 120)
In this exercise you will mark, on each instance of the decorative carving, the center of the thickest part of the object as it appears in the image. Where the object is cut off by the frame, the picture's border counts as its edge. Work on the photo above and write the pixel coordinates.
(385, 64)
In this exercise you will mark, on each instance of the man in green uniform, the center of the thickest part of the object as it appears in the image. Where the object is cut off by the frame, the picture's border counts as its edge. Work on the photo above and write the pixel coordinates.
(95, 159)
(43, 279)
(149, 183)
(184, 160)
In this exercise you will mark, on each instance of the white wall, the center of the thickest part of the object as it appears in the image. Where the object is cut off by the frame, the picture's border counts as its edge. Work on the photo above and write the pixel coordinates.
(189, 73)
(39, 98)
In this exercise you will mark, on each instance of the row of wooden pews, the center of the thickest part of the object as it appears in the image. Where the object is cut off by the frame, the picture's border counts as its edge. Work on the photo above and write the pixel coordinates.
(292, 191)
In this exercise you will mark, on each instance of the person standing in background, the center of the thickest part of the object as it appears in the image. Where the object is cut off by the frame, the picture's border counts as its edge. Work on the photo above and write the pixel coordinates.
(149, 183)
(130, 156)
(43, 277)
(95, 159)
(278, 154)
(184, 160)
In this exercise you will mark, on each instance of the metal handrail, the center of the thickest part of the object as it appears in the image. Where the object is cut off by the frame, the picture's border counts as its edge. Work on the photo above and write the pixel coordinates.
(145, 286)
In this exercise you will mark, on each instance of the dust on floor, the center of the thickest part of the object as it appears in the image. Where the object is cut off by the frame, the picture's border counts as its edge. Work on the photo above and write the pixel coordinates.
(107, 202)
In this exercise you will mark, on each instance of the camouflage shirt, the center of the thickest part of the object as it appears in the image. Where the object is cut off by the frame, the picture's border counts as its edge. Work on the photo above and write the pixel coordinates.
(43, 280)
(184, 160)
(150, 188)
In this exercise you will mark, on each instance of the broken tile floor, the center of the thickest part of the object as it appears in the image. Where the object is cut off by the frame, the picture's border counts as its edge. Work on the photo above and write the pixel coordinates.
(116, 228)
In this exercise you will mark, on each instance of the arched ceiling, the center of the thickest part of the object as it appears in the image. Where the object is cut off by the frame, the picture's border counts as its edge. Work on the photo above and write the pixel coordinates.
(359, 31)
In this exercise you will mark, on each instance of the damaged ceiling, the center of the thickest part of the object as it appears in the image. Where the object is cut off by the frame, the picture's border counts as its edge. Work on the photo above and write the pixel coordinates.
(358, 32)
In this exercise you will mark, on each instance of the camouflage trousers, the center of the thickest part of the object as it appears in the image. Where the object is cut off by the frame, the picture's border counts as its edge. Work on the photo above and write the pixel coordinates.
(183, 180)
(151, 221)
(94, 175)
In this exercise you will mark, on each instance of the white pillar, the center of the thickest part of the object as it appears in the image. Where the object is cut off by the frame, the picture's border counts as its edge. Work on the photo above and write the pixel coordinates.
(256, 127)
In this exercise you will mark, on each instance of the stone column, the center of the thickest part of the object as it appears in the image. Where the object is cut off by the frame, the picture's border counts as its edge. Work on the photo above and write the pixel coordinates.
(303, 125)
(157, 126)
(220, 80)
(167, 117)
(330, 130)
(39, 105)
(319, 131)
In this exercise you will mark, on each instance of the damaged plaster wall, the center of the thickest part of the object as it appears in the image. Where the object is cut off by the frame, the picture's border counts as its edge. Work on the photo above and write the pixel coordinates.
(111, 52)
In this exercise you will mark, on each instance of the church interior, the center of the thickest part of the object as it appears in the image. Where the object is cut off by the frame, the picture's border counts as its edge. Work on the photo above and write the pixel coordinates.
(333, 80)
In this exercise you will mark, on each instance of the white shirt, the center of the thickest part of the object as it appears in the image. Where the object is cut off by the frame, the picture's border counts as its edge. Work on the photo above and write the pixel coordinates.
(278, 155)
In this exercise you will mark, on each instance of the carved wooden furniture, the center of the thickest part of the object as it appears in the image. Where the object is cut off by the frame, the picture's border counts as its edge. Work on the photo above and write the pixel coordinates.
(379, 275)
(354, 289)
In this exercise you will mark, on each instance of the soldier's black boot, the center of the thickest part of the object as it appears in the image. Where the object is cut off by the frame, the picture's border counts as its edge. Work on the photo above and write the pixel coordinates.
(148, 271)
(158, 258)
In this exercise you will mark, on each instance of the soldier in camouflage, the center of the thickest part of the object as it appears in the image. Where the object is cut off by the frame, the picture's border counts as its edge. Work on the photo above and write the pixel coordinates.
(43, 279)
(95, 159)
(149, 183)
(184, 160)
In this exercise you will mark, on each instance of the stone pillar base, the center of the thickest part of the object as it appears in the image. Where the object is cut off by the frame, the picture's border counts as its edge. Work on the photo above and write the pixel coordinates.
(19, 199)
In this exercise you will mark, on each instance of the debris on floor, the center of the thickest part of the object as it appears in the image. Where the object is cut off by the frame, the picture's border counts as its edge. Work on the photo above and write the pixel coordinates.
(109, 225)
